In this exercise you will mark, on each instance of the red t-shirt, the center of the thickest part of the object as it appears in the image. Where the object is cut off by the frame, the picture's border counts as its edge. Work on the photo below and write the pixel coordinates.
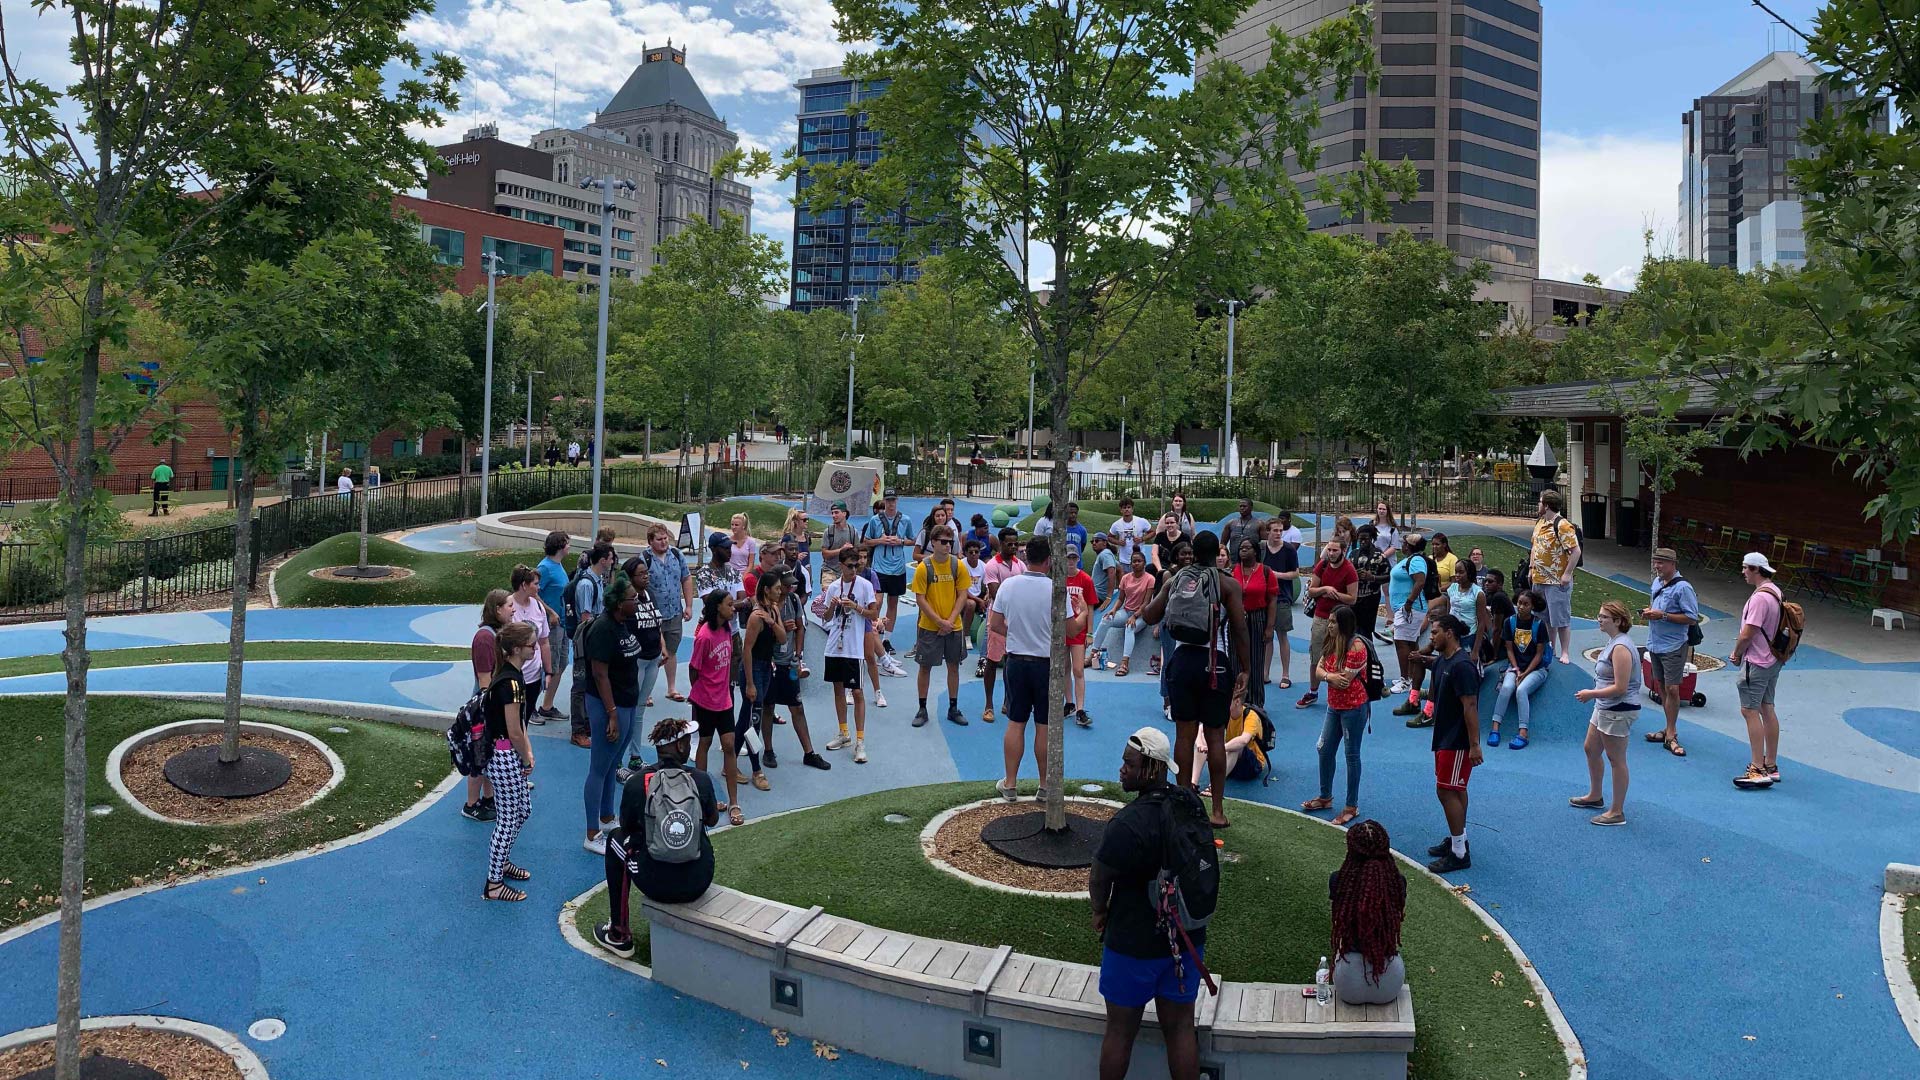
(1342, 578)
(1355, 695)
(1080, 597)
(1257, 586)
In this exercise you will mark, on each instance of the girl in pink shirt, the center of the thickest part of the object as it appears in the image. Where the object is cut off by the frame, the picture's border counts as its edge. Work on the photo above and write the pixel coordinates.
(711, 667)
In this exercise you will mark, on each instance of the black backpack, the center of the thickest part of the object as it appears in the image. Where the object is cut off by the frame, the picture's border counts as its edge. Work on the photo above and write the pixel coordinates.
(1186, 891)
(1376, 671)
(570, 618)
(1430, 585)
(467, 738)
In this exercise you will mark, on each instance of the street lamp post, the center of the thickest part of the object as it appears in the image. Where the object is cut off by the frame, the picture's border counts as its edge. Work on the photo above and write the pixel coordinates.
(492, 263)
(608, 187)
(851, 347)
(526, 456)
(1226, 442)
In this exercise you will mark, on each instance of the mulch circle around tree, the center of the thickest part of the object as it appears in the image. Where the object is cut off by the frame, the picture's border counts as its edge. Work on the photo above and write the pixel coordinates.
(125, 1054)
(358, 575)
(143, 770)
(958, 844)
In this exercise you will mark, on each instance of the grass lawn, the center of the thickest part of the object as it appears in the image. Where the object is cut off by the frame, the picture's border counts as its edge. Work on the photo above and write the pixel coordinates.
(388, 769)
(1271, 926)
(1099, 514)
(258, 650)
(763, 518)
(461, 577)
(1589, 590)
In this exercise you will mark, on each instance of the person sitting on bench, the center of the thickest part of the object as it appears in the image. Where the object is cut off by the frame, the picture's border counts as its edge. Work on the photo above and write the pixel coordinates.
(661, 845)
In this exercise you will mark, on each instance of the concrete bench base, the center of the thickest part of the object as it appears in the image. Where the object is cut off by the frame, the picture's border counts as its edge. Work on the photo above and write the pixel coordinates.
(989, 1014)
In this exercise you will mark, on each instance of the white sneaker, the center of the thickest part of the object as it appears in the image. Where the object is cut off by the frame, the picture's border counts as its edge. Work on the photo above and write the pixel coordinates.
(597, 845)
(890, 666)
(879, 699)
(1400, 686)
(838, 742)
(859, 751)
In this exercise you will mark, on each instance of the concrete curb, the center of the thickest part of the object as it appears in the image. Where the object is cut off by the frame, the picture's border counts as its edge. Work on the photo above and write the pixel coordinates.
(570, 911)
(1903, 878)
(933, 828)
(196, 727)
(220, 1039)
(1893, 953)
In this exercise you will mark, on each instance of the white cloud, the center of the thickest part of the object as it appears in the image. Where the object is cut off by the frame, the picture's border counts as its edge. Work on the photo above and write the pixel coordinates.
(1598, 194)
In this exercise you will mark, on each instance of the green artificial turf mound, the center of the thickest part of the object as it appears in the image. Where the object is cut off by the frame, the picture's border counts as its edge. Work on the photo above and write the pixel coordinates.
(389, 768)
(1913, 938)
(763, 518)
(1590, 590)
(255, 650)
(1474, 1006)
(461, 577)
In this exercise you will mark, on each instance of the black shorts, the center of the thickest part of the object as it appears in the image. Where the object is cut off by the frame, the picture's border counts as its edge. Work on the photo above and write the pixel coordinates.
(1199, 686)
(785, 689)
(712, 720)
(892, 584)
(841, 671)
(1026, 682)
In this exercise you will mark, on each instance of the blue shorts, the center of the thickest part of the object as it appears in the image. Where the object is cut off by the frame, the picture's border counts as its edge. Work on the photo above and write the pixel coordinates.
(1133, 983)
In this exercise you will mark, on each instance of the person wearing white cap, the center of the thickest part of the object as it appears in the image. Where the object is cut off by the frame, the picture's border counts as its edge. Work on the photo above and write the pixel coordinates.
(667, 866)
(1759, 672)
(1137, 967)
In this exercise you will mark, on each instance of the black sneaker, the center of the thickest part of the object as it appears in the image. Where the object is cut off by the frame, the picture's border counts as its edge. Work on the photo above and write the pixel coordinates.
(487, 801)
(1080, 717)
(954, 716)
(534, 719)
(478, 811)
(1445, 845)
(1448, 863)
(552, 713)
(767, 756)
(604, 935)
(815, 761)
(920, 718)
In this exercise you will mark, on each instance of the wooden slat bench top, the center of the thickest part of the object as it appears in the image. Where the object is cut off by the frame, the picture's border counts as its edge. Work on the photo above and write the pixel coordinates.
(1272, 1014)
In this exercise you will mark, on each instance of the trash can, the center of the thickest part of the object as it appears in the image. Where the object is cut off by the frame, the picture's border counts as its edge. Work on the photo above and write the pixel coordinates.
(301, 485)
(1626, 520)
(1593, 516)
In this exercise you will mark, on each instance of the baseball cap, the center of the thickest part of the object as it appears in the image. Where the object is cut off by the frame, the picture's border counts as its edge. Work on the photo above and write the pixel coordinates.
(672, 731)
(719, 542)
(1666, 554)
(840, 505)
(891, 494)
(1757, 561)
(1152, 744)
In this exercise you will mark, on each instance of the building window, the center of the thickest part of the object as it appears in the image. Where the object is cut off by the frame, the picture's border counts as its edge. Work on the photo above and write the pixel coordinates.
(1406, 149)
(1485, 187)
(1493, 251)
(1407, 116)
(1488, 64)
(352, 451)
(1495, 98)
(1481, 217)
(623, 254)
(1506, 10)
(402, 448)
(1603, 434)
(1578, 433)
(518, 259)
(1487, 157)
(1486, 33)
(449, 245)
(1495, 128)
(1401, 86)
(623, 234)
(1409, 22)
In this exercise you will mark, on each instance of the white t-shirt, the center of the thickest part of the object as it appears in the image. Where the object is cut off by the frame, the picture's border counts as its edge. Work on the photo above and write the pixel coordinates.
(847, 631)
(1291, 535)
(1128, 535)
(1043, 527)
(1026, 602)
(344, 485)
(978, 570)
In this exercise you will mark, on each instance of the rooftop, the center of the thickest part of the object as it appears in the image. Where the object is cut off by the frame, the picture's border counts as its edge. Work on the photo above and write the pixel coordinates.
(1779, 66)
(661, 79)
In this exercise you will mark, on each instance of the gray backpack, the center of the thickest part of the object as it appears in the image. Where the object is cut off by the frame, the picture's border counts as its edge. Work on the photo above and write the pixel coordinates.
(1193, 604)
(673, 822)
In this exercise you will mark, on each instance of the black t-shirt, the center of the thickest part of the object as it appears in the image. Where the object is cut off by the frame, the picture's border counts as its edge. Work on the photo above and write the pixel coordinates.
(507, 686)
(1454, 680)
(670, 883)
(1373, 567)
(1134, 847)
(613, 642)
(1284, 561)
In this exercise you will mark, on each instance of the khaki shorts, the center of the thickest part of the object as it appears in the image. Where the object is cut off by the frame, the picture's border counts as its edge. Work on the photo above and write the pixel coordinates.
(1669, 668)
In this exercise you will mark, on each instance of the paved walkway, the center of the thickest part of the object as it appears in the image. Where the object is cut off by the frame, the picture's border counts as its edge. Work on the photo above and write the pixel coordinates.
(1715, 915)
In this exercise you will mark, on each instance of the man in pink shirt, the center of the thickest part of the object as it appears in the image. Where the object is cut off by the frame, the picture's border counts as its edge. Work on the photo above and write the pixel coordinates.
(1006, 564)
(1759, 672)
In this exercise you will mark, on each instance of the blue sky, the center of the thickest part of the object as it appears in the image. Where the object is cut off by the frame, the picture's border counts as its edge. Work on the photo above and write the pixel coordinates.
(1618, 74)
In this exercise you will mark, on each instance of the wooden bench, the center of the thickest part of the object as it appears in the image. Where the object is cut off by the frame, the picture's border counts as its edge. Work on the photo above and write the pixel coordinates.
(976, 1012)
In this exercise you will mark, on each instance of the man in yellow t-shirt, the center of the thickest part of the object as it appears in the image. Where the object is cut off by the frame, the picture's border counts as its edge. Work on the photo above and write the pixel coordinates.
(941, 582)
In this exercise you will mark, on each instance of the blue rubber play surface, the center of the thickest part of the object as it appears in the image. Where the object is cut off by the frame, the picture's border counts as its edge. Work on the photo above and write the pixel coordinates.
(1715, 915)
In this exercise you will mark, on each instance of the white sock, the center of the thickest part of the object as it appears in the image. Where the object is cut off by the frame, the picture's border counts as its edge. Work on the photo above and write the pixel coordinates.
(1459, 845)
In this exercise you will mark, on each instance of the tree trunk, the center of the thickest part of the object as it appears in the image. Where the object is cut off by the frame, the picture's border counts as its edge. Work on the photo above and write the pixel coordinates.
(1319, 464)
(706, 480)
(237, 620)
(366, 504)
(1653, 531)
(74, 659)
(1059, 673)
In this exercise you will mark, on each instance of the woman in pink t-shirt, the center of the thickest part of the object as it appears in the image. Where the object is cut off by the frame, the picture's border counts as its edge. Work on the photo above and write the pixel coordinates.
(711, 667)
(1136, 588)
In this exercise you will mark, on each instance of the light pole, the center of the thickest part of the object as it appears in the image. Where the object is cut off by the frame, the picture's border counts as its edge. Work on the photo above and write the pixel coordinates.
(851, 347)
(492, 263)
(526, 456)
(1226, 442)
(608, 187)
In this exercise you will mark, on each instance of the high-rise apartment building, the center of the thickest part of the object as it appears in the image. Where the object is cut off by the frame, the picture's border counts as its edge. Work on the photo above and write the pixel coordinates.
(1738, 206)
(1459, 97)
(847, 251)
(658, 132)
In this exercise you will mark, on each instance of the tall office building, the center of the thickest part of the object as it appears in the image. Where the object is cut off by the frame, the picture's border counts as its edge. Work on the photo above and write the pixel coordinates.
(1459, 97)
(837, 254)
(1738, 206)
(658, 132)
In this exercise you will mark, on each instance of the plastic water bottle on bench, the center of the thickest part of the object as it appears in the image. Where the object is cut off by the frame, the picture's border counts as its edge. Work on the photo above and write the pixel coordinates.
(1323, 985)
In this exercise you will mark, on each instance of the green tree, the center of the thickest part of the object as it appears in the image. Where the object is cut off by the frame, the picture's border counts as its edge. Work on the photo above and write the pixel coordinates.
(1149, 380)
(805, 353)
(1080, 129)
(107, 173)
(545, 324)
(924, 334)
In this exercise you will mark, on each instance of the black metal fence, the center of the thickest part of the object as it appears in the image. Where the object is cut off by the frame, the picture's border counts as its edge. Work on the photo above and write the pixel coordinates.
(39, 487)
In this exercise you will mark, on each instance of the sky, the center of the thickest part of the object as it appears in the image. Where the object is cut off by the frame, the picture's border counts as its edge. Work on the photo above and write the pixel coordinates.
(1617, 75)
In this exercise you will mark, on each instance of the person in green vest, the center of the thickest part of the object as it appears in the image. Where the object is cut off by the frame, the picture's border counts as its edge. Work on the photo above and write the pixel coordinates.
(162, 484)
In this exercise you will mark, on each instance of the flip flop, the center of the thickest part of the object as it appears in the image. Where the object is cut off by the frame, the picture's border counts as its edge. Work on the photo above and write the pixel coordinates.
(1286, 684)
(735, 816)
(675, 695)
(1221, 824)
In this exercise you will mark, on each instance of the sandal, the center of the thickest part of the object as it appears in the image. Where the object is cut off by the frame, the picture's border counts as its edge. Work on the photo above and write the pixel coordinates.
(1316, 804)
(516, 873)
(1585, 803)
(1121, 671)
(500, 890)
(675, 695)
(986, 715)
(1674, 748)
(735, 817)
(1346, 816)
(1656, 736)
(760, 782)
(1221, 824)
(1286, 684)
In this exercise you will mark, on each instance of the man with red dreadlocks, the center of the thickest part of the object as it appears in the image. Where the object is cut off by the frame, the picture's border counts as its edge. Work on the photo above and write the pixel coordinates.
(1369, 900)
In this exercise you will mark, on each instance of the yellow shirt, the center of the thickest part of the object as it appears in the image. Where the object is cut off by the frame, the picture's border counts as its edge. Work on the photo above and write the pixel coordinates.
(937, 582)
(1446, 566)
(1553, 544)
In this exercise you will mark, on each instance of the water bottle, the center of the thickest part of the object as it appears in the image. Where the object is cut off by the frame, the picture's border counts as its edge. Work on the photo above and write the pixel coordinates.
(1323, 985)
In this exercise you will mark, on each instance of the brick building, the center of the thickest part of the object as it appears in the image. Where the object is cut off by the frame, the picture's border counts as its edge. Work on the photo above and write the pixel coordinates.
(461, 237)
(1800, 505)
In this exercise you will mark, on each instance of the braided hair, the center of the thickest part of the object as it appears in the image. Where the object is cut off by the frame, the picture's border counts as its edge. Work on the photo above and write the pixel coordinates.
(1369, 899)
